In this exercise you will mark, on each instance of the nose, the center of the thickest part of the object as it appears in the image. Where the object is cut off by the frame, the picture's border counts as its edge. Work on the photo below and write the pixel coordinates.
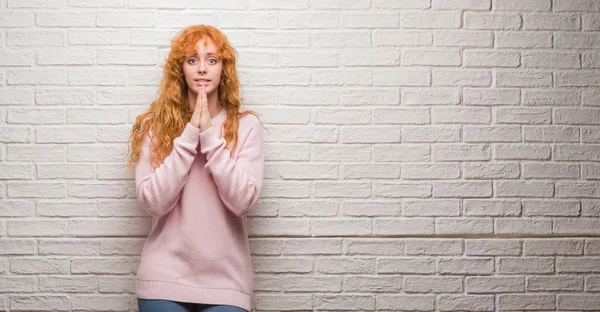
(201, 68)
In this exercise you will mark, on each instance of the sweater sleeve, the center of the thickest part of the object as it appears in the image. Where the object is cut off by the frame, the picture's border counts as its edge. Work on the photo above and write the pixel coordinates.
(238, 181)
(158, 189)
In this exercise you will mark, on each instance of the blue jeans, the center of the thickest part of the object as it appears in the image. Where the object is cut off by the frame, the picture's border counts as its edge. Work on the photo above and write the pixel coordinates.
(151, 305)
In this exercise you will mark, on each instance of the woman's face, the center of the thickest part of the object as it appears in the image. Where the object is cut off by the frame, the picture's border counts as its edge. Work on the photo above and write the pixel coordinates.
(203, 68)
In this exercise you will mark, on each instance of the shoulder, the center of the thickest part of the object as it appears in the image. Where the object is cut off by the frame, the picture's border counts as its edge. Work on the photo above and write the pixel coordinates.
(248, 122)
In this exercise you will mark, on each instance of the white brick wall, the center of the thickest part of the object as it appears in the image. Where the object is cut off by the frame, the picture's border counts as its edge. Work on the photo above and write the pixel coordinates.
(430, 155)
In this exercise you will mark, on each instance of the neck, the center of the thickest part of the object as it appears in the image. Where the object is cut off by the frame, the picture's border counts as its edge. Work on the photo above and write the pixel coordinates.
(213, 104)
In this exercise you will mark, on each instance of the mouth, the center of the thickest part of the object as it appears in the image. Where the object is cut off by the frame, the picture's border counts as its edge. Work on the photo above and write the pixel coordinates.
(202, 82)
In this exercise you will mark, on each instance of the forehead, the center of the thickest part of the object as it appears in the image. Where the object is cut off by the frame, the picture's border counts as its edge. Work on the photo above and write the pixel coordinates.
(203, 46)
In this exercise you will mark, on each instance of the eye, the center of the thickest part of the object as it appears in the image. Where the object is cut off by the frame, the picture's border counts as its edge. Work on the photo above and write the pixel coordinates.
(213, 59)
(191, 61)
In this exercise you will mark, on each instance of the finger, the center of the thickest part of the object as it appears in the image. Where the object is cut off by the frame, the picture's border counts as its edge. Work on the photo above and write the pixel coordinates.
(199, 100)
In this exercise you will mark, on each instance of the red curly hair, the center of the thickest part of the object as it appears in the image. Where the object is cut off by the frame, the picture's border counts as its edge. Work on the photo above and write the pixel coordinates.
(170, 112)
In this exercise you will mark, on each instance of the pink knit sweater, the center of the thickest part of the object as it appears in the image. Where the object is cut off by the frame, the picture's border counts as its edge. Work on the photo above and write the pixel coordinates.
(197, 250)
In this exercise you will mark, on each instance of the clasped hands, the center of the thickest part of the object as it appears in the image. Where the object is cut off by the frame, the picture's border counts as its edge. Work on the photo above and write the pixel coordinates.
(201, 116)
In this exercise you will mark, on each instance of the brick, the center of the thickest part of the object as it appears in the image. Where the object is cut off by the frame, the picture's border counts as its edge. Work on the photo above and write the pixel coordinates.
(460, 5)
(15, 57)
(523, 39)
(441, 19)
(116, 284)
(285, 302)
(169, 4)
(61, 246)
(580, 5)
(328, 77)
(492, 247)
(64, 208)
(466, 302)
(408, 302)
(389, 37)
(422, 96)
(341, 227)
(218, 4)
(17, 246)
(274, 39)
(432, 284)
(341, 189)
(388, 247)
(71, 96)
(344, 302)
(34, 265)
(100, 37)
(36, 153)
(578, 301)
(36, 190)
(445, 57)
(40, 302)
(554, 98)
(437, 134)
(574, 40)
(65, 19)
(526, 301)
(131, 18)
(405, 226)
(74, 284)
(394, 4)
(67, 56)
(464, 226)
(433, 246)
(299, 208)
(100, 266)
(405, 265)
(371, 284)
(286, 265)
(312, 247)
(483, 58)
(516, 5)
(525, 265)
(478, 266)
(312, 283)
(495, 207)
(466, 78)
(491, 134)
(491, 21)
(431, 208)
(551, 208)
(126, 57)
(463, 38)
(11, 171)
(10, 19)
(522, 226)
(372, 20)
(383, 56)
(551, 21)
(65, 134)
(462, 152)
(555, 283)
(25, 284)
(105, 302)
(348, 5)
(283, 226)
(39, 4)
(35, 116)
(343, 38)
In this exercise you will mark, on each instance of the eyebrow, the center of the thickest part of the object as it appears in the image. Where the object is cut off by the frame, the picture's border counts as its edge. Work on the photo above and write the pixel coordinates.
(209, 53)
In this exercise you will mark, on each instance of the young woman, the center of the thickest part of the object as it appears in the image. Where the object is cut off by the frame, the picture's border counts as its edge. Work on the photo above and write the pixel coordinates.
(198, 172)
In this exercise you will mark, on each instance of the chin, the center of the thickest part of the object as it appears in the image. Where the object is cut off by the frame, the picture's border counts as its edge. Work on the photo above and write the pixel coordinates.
(196, 89)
